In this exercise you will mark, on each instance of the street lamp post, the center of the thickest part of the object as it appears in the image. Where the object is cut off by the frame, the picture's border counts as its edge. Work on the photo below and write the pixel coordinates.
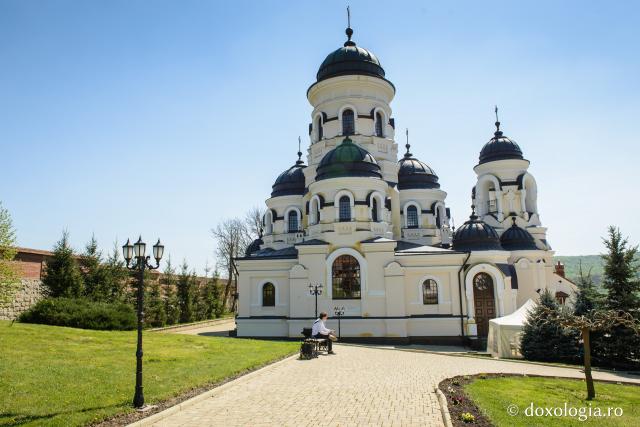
(315, 289)
(140, 264)
(339, 312)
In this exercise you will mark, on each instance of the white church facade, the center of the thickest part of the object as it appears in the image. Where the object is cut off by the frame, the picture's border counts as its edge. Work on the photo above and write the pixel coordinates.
(370, 226)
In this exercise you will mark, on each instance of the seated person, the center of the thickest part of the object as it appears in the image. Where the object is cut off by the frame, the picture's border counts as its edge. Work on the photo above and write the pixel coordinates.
(320, 331)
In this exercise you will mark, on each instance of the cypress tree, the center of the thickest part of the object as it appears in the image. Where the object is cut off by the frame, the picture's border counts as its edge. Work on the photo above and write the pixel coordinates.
(62, 276)
(620, 346)
(155, 312)
(185, 293)
(116, 276)
(94, 273)
(588, 297)
(544, 339)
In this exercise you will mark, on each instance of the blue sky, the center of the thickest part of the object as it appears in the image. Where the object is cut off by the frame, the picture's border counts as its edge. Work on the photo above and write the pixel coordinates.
(161, 118)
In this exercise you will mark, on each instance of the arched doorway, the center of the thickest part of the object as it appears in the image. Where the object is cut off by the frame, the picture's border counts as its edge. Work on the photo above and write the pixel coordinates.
(484, 302)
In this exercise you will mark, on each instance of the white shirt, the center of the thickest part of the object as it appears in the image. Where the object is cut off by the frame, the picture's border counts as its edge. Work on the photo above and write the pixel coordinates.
(319, 328)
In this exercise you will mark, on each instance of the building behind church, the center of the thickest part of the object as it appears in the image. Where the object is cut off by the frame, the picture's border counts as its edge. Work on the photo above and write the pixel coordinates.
(371, 226)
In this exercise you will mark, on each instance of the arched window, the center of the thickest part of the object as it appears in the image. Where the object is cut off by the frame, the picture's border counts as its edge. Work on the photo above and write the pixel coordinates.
(374, 209)
(345, 274)
(429, 292)
(315, 212)
(268, 295)
(348, 122)
(379, 124)
(412, 217)
(292, 220)
(345, 209)
(319, 128)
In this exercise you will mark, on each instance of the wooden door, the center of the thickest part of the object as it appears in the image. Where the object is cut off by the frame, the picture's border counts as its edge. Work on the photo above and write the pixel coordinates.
(484, 302)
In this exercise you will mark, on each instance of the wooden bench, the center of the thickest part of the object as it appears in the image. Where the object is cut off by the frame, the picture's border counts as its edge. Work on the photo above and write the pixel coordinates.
(317, 345)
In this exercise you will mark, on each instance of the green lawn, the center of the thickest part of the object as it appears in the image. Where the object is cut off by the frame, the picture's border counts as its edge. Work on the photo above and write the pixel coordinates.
(63, 376)
(494, 395)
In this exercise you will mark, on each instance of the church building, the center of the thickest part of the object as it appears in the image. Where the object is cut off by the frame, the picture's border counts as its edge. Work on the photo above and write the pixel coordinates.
(368, 230)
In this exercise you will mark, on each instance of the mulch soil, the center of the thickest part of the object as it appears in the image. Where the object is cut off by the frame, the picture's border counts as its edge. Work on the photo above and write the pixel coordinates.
(459, 403)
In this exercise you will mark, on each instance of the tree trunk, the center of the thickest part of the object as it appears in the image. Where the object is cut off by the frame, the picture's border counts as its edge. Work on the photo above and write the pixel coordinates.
(591, 391)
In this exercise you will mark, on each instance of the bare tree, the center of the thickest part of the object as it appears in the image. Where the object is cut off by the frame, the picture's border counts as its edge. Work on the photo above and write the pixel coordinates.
(232, 239)
(253, 221)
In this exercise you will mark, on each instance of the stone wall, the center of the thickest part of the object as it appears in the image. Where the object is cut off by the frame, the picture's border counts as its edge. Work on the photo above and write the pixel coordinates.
(30, 292)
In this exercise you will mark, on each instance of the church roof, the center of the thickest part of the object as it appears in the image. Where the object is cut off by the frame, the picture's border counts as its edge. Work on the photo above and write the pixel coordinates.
(500, 147)
(291, 181)
(350, 59)
(412, 173)
(348, 159)
(516, 238)
(476, 235)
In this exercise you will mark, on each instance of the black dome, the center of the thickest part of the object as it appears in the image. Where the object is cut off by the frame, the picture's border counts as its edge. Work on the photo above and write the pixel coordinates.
(476, 235)
(350, 59)
(415, 174)
(291, 181)
(516, 238)
(348, 159)
(253, 247)
(499, 148)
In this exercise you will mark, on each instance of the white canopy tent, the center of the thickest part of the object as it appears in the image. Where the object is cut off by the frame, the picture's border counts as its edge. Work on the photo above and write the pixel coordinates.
(505, 332)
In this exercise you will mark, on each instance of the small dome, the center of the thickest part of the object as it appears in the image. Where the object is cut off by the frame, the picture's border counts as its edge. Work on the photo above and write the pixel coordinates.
(348, 159)
(500, 148)
(516, 238)
(291, 181)
(415, 174)
(476, 235)
(253, 247)
(350, 59)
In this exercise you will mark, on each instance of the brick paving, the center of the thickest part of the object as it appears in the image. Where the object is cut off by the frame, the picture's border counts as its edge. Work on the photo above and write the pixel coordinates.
(360, 386)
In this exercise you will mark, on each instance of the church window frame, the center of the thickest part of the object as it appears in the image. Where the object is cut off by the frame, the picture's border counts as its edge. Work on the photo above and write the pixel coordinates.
(346, 278)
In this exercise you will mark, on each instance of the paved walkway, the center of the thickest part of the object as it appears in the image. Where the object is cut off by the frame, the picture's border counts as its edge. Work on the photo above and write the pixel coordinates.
(221, 329)
(359, 386)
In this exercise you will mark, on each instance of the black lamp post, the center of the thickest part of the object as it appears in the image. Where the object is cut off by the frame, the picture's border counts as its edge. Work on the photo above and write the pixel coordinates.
(140, 264)
(339, 312)
(315, 289)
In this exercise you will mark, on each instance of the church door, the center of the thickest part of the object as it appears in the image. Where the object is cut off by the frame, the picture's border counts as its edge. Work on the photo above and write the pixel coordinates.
(484, 302)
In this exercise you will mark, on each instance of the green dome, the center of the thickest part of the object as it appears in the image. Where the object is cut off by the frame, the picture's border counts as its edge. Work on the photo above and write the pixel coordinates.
(348, 159)
(349, 60)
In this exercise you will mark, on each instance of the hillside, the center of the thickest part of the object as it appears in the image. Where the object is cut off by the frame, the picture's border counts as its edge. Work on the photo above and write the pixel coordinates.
(589, 262)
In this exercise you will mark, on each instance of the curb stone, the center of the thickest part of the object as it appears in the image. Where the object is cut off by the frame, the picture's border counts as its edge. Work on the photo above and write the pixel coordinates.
(444, 408)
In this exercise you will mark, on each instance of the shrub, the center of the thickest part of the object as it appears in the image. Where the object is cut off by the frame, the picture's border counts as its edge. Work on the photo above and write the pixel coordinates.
(81, 313)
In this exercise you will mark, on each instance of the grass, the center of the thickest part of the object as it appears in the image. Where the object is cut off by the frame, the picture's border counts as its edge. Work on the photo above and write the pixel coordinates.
(65, 377)
(494, 395)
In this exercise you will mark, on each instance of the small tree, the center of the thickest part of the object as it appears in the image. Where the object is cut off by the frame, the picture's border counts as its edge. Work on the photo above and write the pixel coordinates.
(171, 303)
(94, 273)
(62, 276)
(185, 293)
(8, 275)
(155, 312)
(543, 340)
